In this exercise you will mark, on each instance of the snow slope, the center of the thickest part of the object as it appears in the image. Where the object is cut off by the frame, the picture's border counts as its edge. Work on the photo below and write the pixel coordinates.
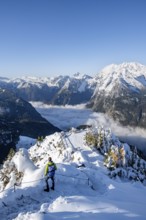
(58, 81)
(81, 192)
(130, 75)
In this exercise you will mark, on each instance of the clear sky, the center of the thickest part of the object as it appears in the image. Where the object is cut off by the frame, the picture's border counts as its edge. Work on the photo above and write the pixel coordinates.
(52, 37)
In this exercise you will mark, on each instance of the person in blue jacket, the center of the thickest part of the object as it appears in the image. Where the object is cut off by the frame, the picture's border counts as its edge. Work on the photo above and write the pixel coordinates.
(50, 173)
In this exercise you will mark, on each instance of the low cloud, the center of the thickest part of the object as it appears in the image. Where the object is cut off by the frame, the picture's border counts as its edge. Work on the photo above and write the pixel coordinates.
(132, 135)
(73, 116)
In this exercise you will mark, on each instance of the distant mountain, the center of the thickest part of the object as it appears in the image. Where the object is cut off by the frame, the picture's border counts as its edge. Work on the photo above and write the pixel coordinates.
(118, 90)
(121, 93)
(59, 90)
(18, 117)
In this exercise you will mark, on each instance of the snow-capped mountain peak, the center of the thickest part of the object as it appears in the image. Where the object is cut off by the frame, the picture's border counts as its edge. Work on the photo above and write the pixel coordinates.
(129, 67)
(58, 90)
(132, 75)
(121, 93)
(81, 76)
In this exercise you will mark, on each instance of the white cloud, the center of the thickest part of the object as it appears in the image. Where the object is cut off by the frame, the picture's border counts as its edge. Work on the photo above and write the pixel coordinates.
(66, 117)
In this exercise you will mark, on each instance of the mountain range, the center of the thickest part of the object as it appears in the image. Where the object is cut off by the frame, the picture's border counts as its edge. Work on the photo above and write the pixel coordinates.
(118, 90)
(59, 90)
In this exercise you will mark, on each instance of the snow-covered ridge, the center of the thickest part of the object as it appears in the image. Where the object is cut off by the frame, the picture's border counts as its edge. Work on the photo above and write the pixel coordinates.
(132, 67)
(126, 70)
(83, 189)
(74, 89)
(47, 80)
(132, 75)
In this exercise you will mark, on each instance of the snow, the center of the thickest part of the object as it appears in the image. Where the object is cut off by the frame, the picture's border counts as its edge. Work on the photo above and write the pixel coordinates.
(22, 162)
(73, 198)
(142, 79)
(82, 87)
(81, 192)
(57, 81)
(132, 75)
(25, 142)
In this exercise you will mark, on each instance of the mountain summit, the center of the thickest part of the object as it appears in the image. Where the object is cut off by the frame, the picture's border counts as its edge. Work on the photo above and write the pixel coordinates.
(121, 93)
(132, 75)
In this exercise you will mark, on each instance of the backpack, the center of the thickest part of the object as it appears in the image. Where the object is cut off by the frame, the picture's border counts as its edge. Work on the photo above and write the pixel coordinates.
(51, 170)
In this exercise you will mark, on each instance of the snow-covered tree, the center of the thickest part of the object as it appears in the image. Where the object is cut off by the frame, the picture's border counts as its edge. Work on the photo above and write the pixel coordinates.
(121, 159)
(9, 174)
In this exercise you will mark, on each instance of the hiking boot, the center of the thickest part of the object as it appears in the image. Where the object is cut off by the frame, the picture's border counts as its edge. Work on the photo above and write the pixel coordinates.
(46, 190)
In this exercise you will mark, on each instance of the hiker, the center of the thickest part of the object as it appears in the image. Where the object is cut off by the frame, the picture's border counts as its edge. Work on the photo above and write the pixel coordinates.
(50, 173)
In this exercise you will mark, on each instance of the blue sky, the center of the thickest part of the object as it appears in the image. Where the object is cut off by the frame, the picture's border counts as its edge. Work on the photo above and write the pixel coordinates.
(52, 37)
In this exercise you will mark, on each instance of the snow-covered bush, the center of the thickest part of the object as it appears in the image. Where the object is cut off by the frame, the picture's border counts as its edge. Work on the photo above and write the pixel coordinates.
(121, 159)
(9, 174)
(90, 139)
(39, 140)
(100, 138)
(125, 164)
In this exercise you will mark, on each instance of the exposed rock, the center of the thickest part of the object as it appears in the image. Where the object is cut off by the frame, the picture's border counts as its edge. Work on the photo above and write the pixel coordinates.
(18, 117)
(121, 93)
(59, 90)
